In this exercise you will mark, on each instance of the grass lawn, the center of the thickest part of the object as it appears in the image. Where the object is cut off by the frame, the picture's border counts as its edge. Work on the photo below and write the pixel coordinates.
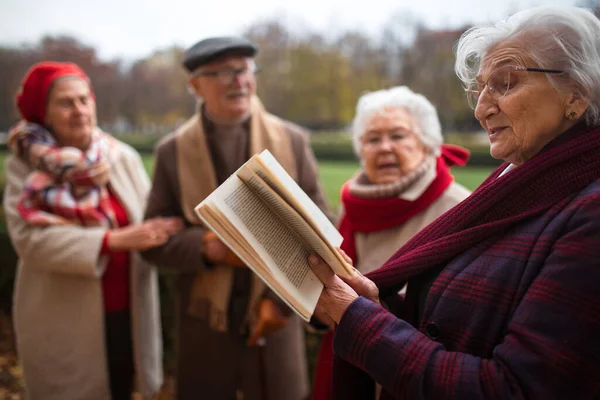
(334, 174)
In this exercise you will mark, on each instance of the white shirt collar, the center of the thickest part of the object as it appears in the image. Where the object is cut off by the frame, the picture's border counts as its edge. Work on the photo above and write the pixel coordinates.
(507, 169)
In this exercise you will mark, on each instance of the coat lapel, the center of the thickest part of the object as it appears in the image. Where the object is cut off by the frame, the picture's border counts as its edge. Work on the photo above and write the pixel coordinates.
(124, 189)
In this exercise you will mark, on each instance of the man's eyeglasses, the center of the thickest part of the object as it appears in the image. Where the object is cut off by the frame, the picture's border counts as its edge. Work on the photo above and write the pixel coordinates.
(227, 75)
(500, 82)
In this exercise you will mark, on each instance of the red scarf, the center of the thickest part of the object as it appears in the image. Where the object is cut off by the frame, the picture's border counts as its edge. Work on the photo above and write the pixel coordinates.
(373, 215)
(565, 166)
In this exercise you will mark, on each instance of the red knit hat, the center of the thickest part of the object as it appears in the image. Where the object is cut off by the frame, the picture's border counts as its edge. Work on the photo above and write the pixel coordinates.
(31, 100)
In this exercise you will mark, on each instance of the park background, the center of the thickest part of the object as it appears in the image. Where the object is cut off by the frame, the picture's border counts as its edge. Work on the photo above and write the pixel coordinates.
(310, 75)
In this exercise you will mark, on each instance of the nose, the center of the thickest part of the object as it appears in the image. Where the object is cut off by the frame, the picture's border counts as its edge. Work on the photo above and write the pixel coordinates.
(486, 106)
(386, 143)
(236, 81)
(240, 78)
(80, 107)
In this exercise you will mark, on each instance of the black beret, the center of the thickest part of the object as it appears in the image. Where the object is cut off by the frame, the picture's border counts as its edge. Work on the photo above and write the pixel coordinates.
(210, 49)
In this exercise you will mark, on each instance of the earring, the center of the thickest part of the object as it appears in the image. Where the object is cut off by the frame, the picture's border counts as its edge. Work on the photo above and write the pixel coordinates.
(572, 115)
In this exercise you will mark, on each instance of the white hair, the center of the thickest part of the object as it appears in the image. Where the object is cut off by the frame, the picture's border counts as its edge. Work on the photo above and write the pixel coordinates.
(564, 38)
(427, 128)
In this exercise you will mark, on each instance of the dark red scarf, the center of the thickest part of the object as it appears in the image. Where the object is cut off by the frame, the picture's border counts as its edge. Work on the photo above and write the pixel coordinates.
(565, 166)
(373, 215)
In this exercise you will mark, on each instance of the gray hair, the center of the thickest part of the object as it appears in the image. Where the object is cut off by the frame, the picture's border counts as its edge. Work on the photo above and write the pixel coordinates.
(427, 127)
(564, 38)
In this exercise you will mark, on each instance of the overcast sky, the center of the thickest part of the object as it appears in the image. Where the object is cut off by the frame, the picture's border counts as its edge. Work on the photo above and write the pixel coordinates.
(131, 29)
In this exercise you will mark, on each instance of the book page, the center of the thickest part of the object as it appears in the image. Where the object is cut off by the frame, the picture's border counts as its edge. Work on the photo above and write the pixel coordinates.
(228, 234)
(292, 219)
(285, 257)
(264, 164)
(272, 173)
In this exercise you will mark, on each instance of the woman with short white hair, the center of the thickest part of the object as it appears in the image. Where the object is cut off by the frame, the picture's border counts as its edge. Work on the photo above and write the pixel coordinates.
(502, 299)
(403, 185)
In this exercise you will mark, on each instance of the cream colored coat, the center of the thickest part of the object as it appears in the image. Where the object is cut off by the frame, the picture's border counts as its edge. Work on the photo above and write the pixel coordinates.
(374, 249)
(58, 306)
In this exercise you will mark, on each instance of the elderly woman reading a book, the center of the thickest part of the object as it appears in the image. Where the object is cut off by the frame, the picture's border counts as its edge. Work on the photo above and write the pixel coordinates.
(403, 185)
(502, 299)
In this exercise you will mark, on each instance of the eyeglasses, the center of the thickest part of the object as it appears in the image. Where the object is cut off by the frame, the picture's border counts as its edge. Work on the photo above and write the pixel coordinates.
(393, 136)
(227, 75)
(500, 82)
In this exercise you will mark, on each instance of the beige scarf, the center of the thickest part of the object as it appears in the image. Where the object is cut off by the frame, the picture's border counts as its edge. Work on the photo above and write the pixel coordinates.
(209, 299)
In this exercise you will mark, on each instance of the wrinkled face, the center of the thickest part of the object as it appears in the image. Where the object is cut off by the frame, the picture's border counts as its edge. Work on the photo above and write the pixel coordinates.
(71, 112)
(390, 147)
(528, 116)
(227, 86)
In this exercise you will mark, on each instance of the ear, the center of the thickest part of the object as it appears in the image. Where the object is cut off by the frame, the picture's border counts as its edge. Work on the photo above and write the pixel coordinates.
(195, 86)
(576, 103)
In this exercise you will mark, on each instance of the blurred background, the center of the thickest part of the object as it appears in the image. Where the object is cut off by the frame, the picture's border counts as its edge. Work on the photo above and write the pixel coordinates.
(316, 58)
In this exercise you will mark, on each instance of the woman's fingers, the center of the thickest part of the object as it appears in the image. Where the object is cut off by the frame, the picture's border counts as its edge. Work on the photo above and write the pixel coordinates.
(345, 256)
(174, 225)
(169, 225)
(337, 295)
(363, 286)
(321, 269)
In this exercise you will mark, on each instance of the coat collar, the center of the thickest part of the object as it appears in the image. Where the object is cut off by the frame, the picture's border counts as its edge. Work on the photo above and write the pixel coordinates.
(121, 186)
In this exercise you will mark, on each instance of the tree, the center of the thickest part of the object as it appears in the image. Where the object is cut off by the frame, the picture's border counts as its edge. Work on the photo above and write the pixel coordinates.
(105, 76)
(428, 68)
(156, 94)
(13, 67)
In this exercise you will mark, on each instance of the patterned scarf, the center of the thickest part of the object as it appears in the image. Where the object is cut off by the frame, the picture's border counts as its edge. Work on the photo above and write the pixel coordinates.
(67, 186)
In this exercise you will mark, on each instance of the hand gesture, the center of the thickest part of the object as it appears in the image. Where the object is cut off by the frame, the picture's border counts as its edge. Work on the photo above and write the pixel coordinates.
(216, 251)
(339, 293)
(143, 236)
(362, 286)
(270, 319)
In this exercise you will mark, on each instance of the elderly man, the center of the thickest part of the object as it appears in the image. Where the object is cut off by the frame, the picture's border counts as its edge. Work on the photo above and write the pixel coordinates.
(235, 339)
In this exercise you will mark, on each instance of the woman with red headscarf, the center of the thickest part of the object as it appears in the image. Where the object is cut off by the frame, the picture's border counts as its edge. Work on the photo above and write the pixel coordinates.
(404, 184)
(86, 305)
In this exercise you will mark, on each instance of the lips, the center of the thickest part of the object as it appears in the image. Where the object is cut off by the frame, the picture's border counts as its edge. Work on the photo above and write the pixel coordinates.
(496, 130)
(236, 95)
(80, 123)
(387, 165)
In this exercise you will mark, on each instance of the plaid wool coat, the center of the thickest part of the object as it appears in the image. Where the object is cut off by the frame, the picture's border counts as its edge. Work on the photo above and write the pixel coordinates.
(514, 312)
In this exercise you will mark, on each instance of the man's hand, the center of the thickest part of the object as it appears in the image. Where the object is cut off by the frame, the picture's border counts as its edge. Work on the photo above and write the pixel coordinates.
(217, 252)
(270, 319)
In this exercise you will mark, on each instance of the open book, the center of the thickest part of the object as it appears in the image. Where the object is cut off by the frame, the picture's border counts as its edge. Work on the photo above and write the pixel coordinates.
(265, 218)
